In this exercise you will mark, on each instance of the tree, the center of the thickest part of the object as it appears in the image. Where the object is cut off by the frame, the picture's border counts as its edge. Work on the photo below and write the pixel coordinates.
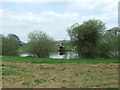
(14, 37)
(1, 35)
(110, 40)
(10, 46)
(85, 37)
(119, 45)
(40, 44)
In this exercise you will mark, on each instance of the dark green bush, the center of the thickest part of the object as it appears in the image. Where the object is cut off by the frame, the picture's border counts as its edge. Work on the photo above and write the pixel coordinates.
(9, 47)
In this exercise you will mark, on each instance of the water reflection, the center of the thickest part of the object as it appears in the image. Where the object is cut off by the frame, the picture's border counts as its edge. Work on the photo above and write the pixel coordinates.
(70, 55)
(55, 55)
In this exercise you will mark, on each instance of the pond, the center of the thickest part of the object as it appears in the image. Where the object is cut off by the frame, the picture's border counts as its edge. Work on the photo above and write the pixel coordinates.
(55, 55)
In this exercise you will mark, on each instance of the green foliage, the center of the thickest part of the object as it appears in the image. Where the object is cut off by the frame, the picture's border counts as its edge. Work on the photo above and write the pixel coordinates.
(109, 43)
(85, 37)
(40, 44)
(1, 44)
(62, 69)
(40, 81)
(64, 81)
(26, 83)
(93, 41)
(67, 44)
(11, 66)
(10, 46)
(119, 46)
(63, 87)
(23, 49)
(7, 72)
(14, 37)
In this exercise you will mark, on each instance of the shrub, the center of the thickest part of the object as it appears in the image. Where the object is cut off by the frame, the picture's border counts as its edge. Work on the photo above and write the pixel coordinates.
(10, 47)
(40, 44)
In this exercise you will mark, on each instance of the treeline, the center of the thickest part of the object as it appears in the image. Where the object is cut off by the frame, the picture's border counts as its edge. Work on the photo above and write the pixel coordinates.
(39, 44)
(90, 40)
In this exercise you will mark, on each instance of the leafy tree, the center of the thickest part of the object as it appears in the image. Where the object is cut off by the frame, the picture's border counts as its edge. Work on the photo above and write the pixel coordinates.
(110, 40)
(14, 37)
(10, 47)
(40, 44)
(119, 45)
(85, 37)
(1, 35)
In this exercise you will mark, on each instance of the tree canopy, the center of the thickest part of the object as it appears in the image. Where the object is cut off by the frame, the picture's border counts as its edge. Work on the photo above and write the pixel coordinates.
(85, 37)
(40, 44)
(10, 46)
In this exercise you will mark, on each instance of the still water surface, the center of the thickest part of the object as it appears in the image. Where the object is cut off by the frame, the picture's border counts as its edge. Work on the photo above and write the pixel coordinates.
(68, 55)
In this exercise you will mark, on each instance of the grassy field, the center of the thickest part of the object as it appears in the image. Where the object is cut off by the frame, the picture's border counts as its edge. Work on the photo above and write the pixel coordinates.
(29, 72)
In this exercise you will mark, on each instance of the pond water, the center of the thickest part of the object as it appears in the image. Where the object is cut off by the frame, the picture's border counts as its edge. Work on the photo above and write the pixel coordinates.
(67, 55)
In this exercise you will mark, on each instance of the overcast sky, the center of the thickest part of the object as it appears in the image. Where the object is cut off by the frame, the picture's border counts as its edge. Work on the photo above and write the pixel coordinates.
(53, 16)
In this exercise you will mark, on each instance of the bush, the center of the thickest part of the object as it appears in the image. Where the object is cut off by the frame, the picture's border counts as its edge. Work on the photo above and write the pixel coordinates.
(40, 44)
(0, 44)
(9, 47)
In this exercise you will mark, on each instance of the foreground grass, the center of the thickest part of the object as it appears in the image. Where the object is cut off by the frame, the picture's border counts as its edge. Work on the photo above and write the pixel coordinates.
(55, 61)
(29, 72)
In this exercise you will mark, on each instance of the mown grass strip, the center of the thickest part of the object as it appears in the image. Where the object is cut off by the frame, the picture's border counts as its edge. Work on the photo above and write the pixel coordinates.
(56, 61)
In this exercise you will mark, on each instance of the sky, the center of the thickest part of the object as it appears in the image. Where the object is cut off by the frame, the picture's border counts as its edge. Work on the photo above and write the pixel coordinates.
(53, 16)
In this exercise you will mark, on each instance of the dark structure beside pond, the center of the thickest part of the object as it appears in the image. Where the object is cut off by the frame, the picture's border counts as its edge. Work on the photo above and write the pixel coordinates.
(61, 50)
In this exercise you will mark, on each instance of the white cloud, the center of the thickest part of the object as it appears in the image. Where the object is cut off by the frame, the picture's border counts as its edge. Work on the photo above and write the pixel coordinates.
(66, 15)
(105, 10)
(75, 1)
(31, 1)
(50, 21)
(55, 23)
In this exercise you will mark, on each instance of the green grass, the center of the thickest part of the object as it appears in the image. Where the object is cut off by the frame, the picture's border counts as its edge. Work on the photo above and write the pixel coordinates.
(63, 87)
(40, 81)
(42, 74)
(23, 49)
(62, 69)
(24, 70)
(11, 66)
(56, 61)
(9, 72)
(64, 81)
(26, 83)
